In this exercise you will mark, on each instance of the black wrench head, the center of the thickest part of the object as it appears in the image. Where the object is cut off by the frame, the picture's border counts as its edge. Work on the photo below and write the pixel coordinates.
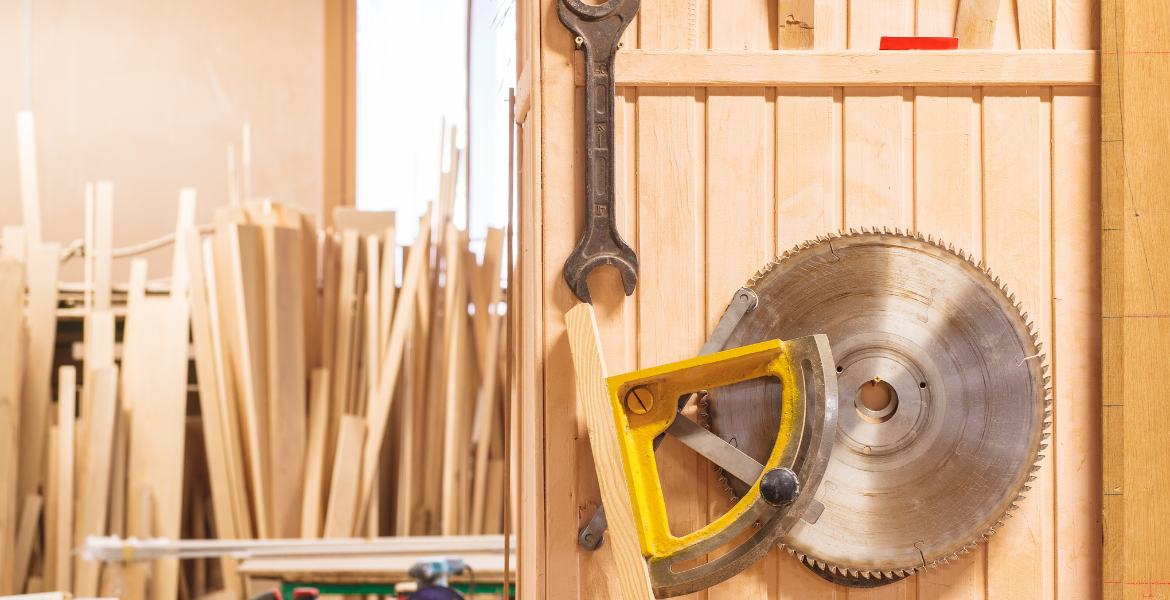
(588, 256)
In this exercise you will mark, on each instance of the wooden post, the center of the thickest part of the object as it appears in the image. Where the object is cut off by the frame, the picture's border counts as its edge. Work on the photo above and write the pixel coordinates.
(1135, 256)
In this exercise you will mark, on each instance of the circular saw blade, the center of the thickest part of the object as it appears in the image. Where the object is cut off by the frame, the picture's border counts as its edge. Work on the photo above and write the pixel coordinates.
(909, 487)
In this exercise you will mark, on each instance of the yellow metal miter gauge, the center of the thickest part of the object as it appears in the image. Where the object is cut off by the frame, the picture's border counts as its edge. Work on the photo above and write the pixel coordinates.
(646, 406)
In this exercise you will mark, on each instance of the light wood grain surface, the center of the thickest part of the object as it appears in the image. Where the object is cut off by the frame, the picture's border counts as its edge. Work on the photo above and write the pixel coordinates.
(727, 155)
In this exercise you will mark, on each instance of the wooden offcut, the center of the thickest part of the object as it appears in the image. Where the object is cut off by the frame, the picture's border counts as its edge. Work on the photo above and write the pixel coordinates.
(622, 533)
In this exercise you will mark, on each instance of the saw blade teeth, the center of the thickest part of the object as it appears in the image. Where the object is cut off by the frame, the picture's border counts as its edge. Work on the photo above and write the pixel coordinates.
(820, 565)
(885, 229)
(963, 550)
(854, 573)
(982, 538)
(866, 574)
(833, 569)
(852, 231)
(998, 524)
(1047, 425)
(800, 556)
(1031, 478)
(989, 532)
(1035, 467)
(897, 231)
(1027, 488)
(1014, 506)
(888, 574)
(1045, 436)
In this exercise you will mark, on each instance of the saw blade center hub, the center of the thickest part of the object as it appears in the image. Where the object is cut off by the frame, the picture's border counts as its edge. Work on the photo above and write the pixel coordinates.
(876, 401)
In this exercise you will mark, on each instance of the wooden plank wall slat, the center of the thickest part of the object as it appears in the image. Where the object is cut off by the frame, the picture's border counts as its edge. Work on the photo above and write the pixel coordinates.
(712, 182)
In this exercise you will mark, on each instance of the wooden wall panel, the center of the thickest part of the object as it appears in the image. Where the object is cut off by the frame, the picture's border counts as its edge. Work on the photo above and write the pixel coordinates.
(713, 182)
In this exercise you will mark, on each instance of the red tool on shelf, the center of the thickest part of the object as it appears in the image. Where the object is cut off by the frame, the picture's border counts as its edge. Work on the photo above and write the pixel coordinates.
(919, 43)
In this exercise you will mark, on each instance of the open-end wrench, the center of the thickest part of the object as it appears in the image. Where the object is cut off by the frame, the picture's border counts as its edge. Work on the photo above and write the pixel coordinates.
(599, 30)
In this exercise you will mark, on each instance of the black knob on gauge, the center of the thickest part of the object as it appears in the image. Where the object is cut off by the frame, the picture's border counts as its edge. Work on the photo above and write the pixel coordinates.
(779, 486)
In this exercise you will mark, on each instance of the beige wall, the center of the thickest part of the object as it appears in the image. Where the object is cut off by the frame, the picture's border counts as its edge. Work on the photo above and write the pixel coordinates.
(148, 95)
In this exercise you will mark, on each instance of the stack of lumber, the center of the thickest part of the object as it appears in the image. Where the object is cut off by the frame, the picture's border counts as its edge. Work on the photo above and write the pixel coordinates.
(343, 387)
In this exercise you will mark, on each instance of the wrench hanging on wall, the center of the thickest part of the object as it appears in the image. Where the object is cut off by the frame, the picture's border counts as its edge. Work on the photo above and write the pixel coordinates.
(599, 30)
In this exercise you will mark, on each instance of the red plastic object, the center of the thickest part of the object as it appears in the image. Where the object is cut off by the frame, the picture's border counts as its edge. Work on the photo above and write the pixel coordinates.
(919, 43)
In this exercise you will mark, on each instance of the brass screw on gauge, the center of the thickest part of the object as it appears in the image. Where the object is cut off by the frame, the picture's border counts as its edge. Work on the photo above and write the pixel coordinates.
(639, 400)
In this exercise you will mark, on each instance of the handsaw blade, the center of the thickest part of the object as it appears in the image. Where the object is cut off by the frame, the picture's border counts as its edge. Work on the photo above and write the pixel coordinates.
(961, 443)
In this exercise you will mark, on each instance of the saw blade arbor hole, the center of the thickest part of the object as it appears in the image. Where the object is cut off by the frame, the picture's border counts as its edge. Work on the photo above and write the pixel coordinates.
(876, 401)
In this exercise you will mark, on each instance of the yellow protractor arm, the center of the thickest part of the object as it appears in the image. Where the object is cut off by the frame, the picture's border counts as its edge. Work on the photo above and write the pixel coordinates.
(645, 404)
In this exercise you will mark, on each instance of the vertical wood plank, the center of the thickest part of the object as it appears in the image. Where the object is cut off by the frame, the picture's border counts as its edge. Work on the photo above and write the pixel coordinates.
(1017, 218)
(808, 205)
(91, 511)
(44, 262)
(12, 334)
(51, 531)
(947, 203)
(873, 155)
(63, 513)
(311, 513)
(1077, 342)
(286, 375)
(740, 205)
(246, 277)
(226, 392)
(551, 502)
(949, 206)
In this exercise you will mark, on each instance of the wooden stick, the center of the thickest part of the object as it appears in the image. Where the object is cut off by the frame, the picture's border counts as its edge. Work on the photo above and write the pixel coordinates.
(63, 514)
(486, 407)
(11, 367)
(30, 517)
(315, 454)
(217, 445)
(247, 263)
(371, 333)
(43, 263)
(343, 342)
(49, 562)
(286, 376)
(340, 517)
(379, 409)
(452, 458)
(214, 431)
(92, 511)
(309, 290)
(386, 294)
(589, 365)
(30, 195)
(229, 407)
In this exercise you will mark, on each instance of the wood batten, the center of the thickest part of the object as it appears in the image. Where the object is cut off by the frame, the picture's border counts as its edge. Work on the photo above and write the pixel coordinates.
(853, 68)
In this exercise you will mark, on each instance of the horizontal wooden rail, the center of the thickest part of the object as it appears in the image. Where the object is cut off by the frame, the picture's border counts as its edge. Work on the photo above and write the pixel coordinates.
(855, 68)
